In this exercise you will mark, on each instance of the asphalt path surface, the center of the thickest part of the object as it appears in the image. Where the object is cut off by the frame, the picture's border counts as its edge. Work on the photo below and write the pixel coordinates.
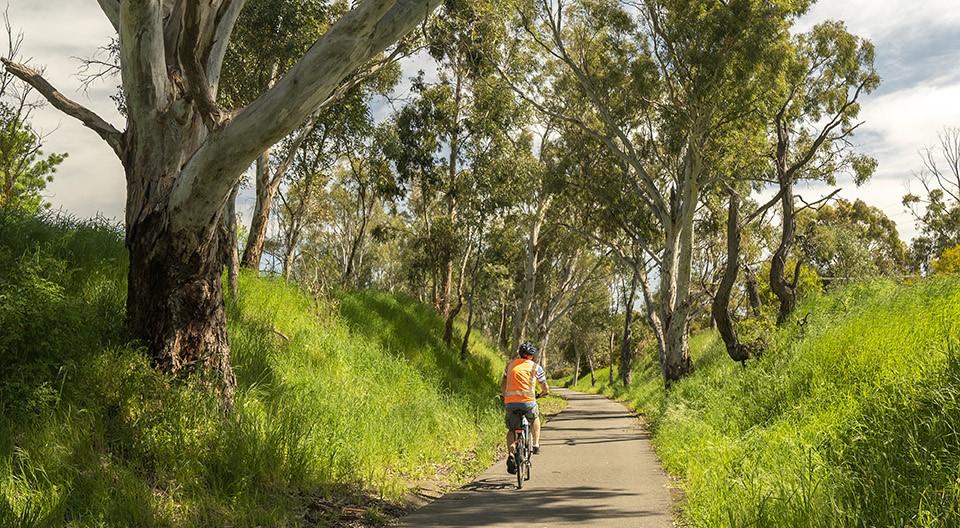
(596, 468)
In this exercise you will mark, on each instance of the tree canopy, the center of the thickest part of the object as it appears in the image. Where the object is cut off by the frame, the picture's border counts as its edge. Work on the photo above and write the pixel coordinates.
(566, 159)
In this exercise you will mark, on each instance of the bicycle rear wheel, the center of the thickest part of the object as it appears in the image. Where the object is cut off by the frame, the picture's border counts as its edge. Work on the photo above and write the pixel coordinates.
(521, 467)
(528, 458)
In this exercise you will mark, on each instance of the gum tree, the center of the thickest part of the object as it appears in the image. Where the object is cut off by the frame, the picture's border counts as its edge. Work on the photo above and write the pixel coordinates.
(659, 79)
(810, 113)
(812, 126)
(183, 153)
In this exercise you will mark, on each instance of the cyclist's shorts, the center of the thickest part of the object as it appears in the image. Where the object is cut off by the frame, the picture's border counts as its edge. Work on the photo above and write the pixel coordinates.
(514, 420)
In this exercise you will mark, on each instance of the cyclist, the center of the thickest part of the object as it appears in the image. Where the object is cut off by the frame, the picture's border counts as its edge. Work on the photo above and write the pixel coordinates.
(518, 389)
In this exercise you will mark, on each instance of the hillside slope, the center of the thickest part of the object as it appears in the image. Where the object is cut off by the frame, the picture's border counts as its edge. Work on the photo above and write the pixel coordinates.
(853, 422)
(339, 414)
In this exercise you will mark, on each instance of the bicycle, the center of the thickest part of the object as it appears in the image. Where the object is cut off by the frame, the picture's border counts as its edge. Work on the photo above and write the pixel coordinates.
(523, 450)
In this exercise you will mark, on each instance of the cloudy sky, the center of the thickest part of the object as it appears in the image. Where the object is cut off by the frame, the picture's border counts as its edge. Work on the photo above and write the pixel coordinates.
(918, 56)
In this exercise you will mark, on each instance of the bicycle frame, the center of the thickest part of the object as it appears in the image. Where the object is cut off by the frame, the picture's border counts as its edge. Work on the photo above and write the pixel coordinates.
(522, 451)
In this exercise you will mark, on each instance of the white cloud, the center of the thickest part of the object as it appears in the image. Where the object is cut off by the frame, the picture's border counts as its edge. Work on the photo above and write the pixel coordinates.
(887, 20)
(908, 120)
(918, 56)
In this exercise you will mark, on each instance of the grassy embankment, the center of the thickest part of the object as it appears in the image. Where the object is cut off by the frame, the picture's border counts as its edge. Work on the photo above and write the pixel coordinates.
(855, 423)
(346, 402)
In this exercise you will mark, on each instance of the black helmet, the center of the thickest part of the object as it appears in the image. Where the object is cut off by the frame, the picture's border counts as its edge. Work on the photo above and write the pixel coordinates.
(527, 349)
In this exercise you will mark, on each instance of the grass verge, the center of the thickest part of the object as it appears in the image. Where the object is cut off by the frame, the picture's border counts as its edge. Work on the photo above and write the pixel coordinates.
(334, 424)
(855, 423)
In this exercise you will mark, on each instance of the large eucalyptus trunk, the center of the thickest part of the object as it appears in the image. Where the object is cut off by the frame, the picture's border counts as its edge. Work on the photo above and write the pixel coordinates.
(530, 272)
(668, 313)
(675, 272)
(175, 295)
(183, 154)
(677, 362)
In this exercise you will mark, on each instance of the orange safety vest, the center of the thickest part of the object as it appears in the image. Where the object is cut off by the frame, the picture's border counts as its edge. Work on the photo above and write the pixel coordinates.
(521, 381)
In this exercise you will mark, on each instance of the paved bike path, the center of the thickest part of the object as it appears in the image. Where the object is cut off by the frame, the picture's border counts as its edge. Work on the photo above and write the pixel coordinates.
(596, 469)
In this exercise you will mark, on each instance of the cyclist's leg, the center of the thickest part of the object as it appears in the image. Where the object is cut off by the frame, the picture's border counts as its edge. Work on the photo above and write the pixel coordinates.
(535, 426)
(512, 421)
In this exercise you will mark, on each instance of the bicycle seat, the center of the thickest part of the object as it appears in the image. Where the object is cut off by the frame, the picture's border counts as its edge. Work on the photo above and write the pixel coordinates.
(520, 412)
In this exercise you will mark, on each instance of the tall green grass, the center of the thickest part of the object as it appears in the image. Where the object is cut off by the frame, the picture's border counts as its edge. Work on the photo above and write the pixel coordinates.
(326, 410)
(855, 423)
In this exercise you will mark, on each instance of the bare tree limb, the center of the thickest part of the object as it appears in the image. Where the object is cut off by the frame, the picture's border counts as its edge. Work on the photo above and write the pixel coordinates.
(814, 204)
(91, 120)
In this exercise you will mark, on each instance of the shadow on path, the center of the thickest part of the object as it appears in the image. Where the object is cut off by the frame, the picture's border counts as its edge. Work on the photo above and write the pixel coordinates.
(596, 469)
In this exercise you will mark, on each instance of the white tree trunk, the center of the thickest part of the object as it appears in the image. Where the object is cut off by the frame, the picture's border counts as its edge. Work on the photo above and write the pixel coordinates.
(183, 155)
(530, 272)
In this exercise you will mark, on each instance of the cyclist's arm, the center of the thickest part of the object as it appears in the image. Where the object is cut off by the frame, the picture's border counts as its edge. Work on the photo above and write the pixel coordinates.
(503, 386)
(545, 389)
(542, 379)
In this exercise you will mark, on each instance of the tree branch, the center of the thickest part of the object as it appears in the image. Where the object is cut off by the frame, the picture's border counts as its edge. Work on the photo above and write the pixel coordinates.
(105, 130)
(143, 61)
(357, 37)
(224, 22)
(111, 8)
(814, 204)
(630, 155)
(195, 78)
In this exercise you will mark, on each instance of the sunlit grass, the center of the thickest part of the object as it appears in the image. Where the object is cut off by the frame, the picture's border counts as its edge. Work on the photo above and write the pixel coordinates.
(857, 423)
(326, 408)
